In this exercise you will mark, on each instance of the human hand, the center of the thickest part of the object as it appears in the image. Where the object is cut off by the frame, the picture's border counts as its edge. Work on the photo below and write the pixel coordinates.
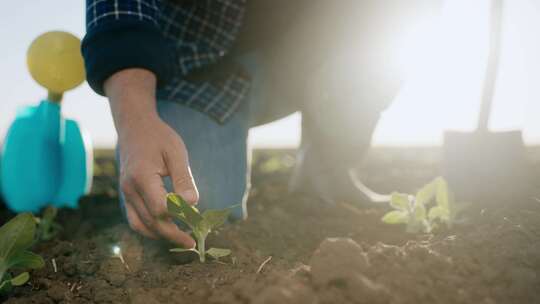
(149, 150)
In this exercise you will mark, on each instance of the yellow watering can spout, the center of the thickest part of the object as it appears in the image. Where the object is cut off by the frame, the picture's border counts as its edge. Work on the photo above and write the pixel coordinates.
(55, 62)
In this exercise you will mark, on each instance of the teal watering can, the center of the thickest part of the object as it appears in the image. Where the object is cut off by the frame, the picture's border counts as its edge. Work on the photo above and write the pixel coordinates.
(47, 159)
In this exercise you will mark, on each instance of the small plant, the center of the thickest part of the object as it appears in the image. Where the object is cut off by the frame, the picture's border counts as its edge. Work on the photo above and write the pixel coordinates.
(200, 224)
(16, 236)
(413, 210)
(47, 227)
(408, 211)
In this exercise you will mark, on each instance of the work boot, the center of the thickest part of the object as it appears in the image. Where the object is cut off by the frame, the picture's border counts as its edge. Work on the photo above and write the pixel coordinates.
(326, 168)
(331, 180)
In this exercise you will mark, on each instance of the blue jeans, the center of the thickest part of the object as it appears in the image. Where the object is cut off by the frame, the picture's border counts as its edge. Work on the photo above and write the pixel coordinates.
(218, 155)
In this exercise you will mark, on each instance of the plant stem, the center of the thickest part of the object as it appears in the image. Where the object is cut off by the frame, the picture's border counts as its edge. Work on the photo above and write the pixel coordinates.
(202, 250)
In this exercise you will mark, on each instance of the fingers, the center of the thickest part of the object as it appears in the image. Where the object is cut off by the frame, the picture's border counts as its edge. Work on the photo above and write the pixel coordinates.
(145, 195)
(182, 180)
(154, 194)
(146, 215)
(136, 224)
(168, 230)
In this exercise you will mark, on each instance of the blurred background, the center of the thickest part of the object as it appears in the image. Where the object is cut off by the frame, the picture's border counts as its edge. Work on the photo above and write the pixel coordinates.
(444, 59)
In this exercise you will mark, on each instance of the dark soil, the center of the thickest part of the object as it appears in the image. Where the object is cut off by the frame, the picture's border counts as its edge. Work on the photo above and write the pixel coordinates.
(315, 252)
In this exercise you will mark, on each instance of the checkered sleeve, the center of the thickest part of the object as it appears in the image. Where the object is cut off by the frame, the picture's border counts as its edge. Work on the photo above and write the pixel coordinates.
(124, 34)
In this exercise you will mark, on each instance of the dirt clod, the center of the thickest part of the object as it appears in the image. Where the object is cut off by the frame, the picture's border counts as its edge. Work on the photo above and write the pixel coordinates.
(57, 292)
(338, 259)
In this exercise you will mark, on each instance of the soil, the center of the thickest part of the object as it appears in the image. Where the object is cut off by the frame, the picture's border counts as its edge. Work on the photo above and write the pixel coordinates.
(296, 249)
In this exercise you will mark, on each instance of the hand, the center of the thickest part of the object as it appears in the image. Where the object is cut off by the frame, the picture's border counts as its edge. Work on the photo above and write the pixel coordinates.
(149, 151)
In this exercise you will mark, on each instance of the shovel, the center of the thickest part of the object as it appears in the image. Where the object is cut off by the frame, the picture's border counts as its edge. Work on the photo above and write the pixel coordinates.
(47, 159)
(484, 164)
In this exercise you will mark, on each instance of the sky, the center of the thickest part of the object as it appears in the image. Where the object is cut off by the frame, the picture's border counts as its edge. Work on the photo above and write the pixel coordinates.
(442, 91)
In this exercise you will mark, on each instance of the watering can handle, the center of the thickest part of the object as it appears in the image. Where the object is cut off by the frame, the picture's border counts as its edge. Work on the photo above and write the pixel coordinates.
(495, 41)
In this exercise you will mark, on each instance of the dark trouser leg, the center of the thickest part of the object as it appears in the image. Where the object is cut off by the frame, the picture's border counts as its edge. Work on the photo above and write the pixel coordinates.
(340, 86)
(339, 117)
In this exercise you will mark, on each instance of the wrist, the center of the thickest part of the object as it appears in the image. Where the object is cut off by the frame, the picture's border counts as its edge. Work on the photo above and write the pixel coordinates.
(134, 122)
(132, 100)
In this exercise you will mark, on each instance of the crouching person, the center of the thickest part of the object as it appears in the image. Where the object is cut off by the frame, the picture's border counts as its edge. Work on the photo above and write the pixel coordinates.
(187, 79)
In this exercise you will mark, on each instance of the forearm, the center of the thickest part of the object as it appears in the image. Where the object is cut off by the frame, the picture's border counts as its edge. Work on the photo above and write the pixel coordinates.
(131, 94)
(117, 41)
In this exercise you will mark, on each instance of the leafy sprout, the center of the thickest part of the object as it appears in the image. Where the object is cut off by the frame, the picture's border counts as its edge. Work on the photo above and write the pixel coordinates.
(408, 211)
(16, 237)
(200, 224)
(47, 227)
(413, 210)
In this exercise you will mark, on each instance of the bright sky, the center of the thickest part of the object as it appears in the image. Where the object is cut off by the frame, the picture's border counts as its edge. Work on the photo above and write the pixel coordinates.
(442, 93)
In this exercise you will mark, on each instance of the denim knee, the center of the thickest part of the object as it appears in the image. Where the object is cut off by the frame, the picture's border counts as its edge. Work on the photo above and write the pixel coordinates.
(218, 155)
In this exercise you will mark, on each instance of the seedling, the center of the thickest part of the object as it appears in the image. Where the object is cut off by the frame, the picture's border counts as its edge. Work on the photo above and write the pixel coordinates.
(446, 209)
(409, 211)
(200, 224)
(16, 236)
(413, 210)
(47, 227)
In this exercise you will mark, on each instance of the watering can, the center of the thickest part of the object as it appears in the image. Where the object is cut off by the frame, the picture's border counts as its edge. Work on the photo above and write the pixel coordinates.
(47, 159)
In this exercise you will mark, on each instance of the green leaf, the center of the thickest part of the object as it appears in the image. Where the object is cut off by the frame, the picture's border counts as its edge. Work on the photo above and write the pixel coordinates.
(201, 225)
(400, 201)
(438, 212)
(27, 259)
(184, 250)
(215, 218)
(179, 208)
(419, 212)
(396, 217)
(15, 237)
(426, 193)
(217, 253)
(210, 219)
(443, 194)
(5, 286)
(21, 279)
(173, 204)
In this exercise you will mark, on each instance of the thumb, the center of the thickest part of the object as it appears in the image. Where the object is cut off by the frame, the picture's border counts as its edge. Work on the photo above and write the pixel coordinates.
(181, 177)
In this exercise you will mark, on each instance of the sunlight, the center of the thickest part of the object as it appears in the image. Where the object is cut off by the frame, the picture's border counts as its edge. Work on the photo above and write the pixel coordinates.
(443, 60)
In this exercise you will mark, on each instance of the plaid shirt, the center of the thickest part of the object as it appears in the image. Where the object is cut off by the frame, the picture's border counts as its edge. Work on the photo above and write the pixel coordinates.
(200, 33)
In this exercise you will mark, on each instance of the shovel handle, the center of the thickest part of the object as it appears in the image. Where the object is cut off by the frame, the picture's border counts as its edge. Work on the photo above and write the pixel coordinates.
(495, 41)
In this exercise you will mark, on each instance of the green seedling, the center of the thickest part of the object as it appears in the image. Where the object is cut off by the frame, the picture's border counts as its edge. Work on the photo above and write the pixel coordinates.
(200, 224)
(409, 211)
(446, 210)
(47, 227)
(16, 237)
(414, 211)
